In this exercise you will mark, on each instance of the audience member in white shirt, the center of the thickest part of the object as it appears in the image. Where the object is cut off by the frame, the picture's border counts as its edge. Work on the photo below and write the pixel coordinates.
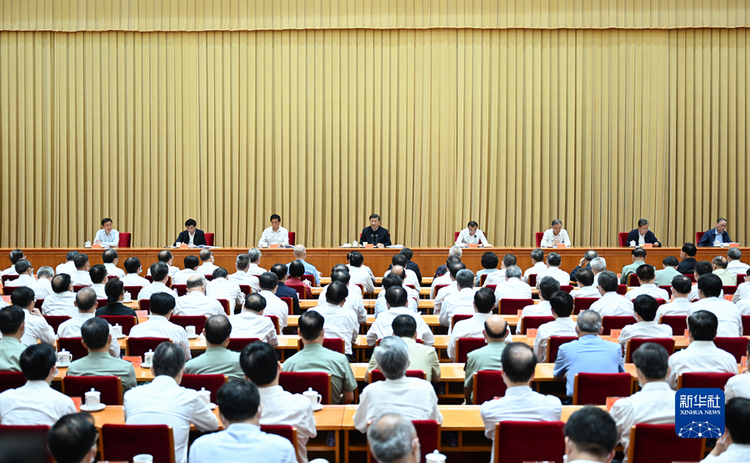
(110, 259)
(74, 438)
(241, 277)
(381, 304)
(81, 276)
(166, 257)
(410, 276)
(35, 403)
(36, 328)
(520, 402)
(268, 282)
(461, 302)
(452, 287)
(738, 385)
(489, 266)
(412, 398)
(611, 304)
(555, 235)
(86, 303)
(133, 269)
(400, 271)
(15, 256)
(251, 323)
(160, 273)
(98, 275)
(221, 288)
(553, 270)
(207, 266)
(590, 436)
(261, 367)
(275, 234)
(680, 304)
(646, 326)
(734, 445)
(730, 320)
(484, 301)
(702, 268)
(62, 302)
(340, 322)
(471, 235)
(158, 324)
(254, 268)
(537, 264)
(586, 287)
(69, 265)
(393, 439)
(191, 269)
(498, 277)
(513, 288)
(354, 301)
(360, 273)
(743, 289)
(646, 276)
(195, 302)
(25, 273)
(395, 297)
(445, 278)
(163, 401)
(561, 304)
(43, 285)
(735, 265)
(547, 288)
(598, 266)
(701, 355)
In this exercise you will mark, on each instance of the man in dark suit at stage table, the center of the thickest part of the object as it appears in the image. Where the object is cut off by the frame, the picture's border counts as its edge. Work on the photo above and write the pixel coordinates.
(191, 235)
(716, 236)
(642, 235)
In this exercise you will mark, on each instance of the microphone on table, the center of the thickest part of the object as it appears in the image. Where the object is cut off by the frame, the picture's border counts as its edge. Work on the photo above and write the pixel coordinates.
(372, 235)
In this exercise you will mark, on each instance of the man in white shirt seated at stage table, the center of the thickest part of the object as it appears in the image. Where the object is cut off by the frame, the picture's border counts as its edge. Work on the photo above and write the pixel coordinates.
(110, 259)
(163, 401)
(461, 302)
(513, 288)
(380, 303)
(590, 436)
(561, 304)
(555, 235)
(241, 277)
(412, 398)
(160, 273)
(166, 257)
(498, 277)
(86, 303)
(646, 326)
(471, 235)
(35, 403)
(646, 278)
(739, 385)
(611, 303)
(261, 367)
(73, 439)
(340, 322)
(36, 328)
(191, 269)
(240, 412)
(734, 445)
(275, 234)
(221, 288)
(15, 256)
(393, 439)
(709, 290)
(133, 268)
(553, 270)
(586, 287)
(251, 323)
(701, 355)
(195, 302)
(680, 304)
(62, 302)
(107, 236)
(547, 287)
(396, 300)
(158, 324)
(520, 402)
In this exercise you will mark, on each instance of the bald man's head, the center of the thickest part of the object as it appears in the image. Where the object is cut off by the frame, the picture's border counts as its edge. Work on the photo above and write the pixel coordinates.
(495, 328)
(399, 270)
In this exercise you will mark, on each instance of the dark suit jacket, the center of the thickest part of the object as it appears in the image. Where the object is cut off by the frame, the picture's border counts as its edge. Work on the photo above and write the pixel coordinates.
(575, 271)
(687, 265)
(283, 290)
(198, 240)
(381, 236)
(115, 308)
(649, 238)
(415, 268)
(709, 237)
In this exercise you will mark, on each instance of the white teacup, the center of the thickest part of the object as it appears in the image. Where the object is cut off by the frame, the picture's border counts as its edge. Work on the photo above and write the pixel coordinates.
(93, 398)
(314, 397)
(190, 331)
(64, 357)
(128, 297)
(87, 244)
(435, 457)
(148, 357)
(143, 458)
(117, 330)
(205, 395)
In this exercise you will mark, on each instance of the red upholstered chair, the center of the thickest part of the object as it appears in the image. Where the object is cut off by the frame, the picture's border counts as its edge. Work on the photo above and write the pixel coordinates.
(553, 345)
(667, 288)
(622, 238)
(677, 322)
(378, 375)
(225, 304)
(740, 278)
(100, 303)
(455, 236)
(35, 437)
(246, 289)
(460, 317)
(124, 240)
(309, 278)
(151, 279)
(8, 290)
(622, 289)
(125, 321)
(746, 325)
(56, 320)
(11, 380)
(286, 431)
(209, 239)
(209, 382)
(181, 289)
(532, 279)
(698, 236)
(335, 344)
(292, 238)
(735, 346)
(136, 347)
(566, 288)
(72, 345)
(538, 238)
(466, 345)
(691, 276)
(121, 442)
(198, 321)
(635, 343)
(9, 278)
(594, 388)
(482, 279)
(488, 384)
(300, 290)
(492, 287)
(703, 380)
(133, 290)
(237, 344)
(660, 301)
(583, 303)
(633, 280)
(659, 443)
(610, 323)
(299, 382)
(110, 387)
(77, 288)
(145, 304)
(533, 323)
(438, 288)
(518, 441)
(288, 301)
(38, 303)
(729, 289)
(275, 321)
(511, 306)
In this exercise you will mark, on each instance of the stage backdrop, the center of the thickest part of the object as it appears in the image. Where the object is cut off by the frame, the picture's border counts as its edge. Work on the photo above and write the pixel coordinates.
(430, 113)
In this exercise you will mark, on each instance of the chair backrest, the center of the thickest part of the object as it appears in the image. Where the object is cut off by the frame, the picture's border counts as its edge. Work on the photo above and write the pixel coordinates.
(145, 304)
(691, 276)
(610, 323)
(38, 303)
(121, 442)
(428, 432)
(455, 236)
(518, 441)
(77, 288)
(438, 288)
(125, 321)
(740, 278)
(124, 240)
(746, 325)
(133, 290)
(594, 388)
(511, 306)
(378, 375)
(635, 343)
(180, 289)
(633, 280)
(482, 279)
(735, 346)
(74, 346)
(100, 303)
(667, 288)
(538, 238)
(703, 380)
(246, 289)
(9, 278)
(300, 290)
(292, 238)
(622, 289)
(583, 303)
(659, 443)
(33, 436)
(225, 305)
(11, 380)
(298, 382)
(459, 317)
(532, 279)
(622, 238)
(492, 287)
(237, 344)
(698, 236)
(309, 278)
(286, 431)
(554, 343)
(677, 322)
(209, 239)
(488, 384)
(198, 321)
(533, 322)
(110, 388)
(136, 347)
(211, 383)
(8, 290)
(56, 320)
(566, 288)
(729, 289)
(335, 344)
(466, 345)
(288, 301)
(275, 321)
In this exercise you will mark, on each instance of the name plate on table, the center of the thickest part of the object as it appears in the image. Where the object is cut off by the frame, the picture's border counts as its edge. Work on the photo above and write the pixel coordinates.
(273, 246)
(615, 334)
(648, 245)
(561, 245)
(96, 246)
(611, 401)
(77, 403)
(183, 246)
(369, 245)
(744, 361)
(473, 245)
(141, 313)
(687, 333)
(734, 245)
(136, 361)
(531, 333)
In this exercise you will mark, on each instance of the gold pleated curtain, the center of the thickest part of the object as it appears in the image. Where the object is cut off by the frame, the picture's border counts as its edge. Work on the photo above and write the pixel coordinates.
(430, 113)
